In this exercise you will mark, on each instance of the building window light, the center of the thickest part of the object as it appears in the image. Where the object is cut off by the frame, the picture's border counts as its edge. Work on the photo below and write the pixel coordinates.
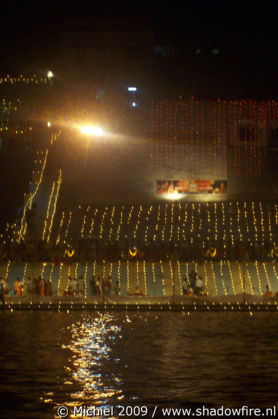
(134, 104)
(132, 89)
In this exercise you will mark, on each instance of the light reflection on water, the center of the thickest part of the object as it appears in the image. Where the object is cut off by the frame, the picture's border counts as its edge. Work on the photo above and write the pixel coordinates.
(92, 363)
(170, 359)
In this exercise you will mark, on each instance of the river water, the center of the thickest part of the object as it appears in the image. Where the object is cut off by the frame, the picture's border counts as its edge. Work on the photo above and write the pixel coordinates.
(48, 359)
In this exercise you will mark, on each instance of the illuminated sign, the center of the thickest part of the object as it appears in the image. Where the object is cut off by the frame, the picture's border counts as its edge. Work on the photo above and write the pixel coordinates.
(212, 186)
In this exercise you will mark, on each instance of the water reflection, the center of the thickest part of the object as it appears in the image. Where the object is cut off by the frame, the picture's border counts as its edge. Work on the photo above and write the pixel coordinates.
(49, 359)
(92, 365)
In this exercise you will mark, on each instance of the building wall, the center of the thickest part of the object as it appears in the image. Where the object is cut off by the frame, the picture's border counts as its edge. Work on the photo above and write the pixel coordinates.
(208, 141)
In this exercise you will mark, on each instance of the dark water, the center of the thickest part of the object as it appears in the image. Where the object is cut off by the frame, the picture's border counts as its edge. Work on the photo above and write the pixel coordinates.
(169, 359)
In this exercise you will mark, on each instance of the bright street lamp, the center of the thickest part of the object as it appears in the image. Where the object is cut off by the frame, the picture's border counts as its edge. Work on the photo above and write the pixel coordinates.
(50, 75)
(92, 131)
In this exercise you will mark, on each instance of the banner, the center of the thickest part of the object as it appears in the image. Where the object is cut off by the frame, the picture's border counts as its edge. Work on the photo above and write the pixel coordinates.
(213, 186)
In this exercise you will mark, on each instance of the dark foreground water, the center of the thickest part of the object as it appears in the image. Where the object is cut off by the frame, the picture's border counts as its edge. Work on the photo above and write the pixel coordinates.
(49, 359)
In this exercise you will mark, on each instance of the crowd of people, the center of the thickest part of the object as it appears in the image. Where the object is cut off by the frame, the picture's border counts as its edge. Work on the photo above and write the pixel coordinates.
(75, 287)
(103, 286)
(36, 286)
(97, 286)
(29, 287)
(193, 285)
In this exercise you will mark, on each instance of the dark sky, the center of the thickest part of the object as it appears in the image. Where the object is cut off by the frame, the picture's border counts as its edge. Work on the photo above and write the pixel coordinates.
(245, 32)
(32, 26)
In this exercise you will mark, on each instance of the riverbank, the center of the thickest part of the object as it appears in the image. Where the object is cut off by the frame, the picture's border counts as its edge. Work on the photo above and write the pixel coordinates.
(238, 302)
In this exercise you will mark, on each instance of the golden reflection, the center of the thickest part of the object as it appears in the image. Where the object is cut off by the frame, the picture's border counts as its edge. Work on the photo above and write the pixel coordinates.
(92, 365)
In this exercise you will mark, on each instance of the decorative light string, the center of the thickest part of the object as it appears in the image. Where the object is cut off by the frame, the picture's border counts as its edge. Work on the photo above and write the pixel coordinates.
(214, 278)
(222, 277)
(60, 227)
(59, 278)
(119, 273)
(29, 201)
(59, 181)
(266, 275)
(47, 211)
(163, 277)
(85, 280)
(231, 276)
(190, 133)
(22, 79)
(127, 276)
(145, 278)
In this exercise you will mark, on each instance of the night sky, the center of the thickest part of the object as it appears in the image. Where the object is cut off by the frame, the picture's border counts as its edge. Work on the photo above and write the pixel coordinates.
(244, 34)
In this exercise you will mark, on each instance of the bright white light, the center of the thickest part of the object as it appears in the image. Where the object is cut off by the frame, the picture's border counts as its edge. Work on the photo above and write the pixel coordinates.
(49, 124)
(50, 74)
(132, 89)
(174, 196)
(91, 130)
(134, 104)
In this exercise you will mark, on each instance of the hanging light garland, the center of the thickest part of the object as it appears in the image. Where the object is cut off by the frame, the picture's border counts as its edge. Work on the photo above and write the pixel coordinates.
(199, 132)
(30, 199)
(198, 224)
(21, 79)
(47, 211)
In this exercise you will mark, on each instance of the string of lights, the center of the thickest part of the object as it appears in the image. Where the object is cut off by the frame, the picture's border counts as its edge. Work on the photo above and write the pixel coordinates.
(194, 133)
(30, 199)
(23, 79)
(58, 185)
